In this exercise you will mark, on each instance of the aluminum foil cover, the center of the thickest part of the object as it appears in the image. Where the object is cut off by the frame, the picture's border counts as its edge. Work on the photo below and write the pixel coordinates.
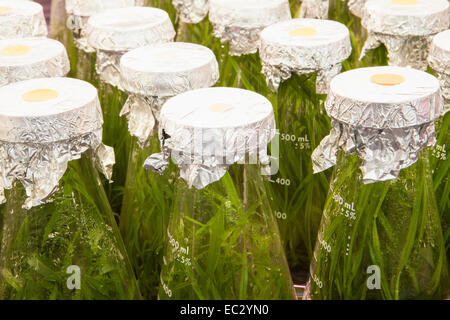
(356, 7)
(77, 24)
(87, 8)
(21, 19)
(385, 125)
(46, 123)
(191, 11)
(29, 58)
(315, 9)
(405, 29)
(304, 46)
(152, 73)
(439, 60)
(207, 130)
(241, 22)
(114, 32)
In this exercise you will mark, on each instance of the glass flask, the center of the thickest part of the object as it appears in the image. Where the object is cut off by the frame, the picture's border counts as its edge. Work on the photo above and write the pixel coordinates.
(59, 237)
(73, 32)
(439, 60)
(405, 28)
(238, 24)
(21, 19)
(299, 57)
(151, 75)
(295, 7)
(112, 34)
(380, 235)
(28, 58)
(223, 240)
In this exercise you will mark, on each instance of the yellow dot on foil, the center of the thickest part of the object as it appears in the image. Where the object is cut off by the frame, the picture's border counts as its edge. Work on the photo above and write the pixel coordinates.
(15, 50)
(303, 32)
(387, 79)
(404, 2)
(4, 10)
(220, 107)
(40, 95)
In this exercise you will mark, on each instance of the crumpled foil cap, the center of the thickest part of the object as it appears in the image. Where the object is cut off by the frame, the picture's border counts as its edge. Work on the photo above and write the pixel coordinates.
(87, 8)
(168, 69)
(439, 60)
(207, 130)
(315, 9)
(304, 46)
(241, 22)
(48, 122)
(29, 58)
(117, 31)
(385, 115)
(159, 71)
(405, 27)
(129, 28)
(356, 7)
(420, 18)
(191, 11)
(21, 19)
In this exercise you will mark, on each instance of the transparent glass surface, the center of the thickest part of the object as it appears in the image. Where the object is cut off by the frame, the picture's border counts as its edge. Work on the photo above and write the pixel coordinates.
(47, 249)
(440, 165)
(295, 7)
(297, 195)
(381, 240)
(145, 213)
(223, 242)
(115, 134)
(340, 12)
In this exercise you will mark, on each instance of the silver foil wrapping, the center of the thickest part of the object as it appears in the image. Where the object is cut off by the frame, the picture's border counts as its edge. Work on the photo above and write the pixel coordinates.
(439, 60)
(283, 53)
(191, 11)
(21, 19)
(315, 9)
(155, 73)
(39, 138)
(356, 7)
(87, 8)
(386, 126)
(240, 23)
(117, 31)
(206, 131)
(405, 30)
(77, 24)
(46, 58)
(142, 113)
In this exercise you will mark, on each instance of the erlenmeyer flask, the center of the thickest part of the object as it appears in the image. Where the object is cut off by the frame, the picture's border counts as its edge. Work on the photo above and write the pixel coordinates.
(21, 19)
(59, 236)
(29, 58)
(113, 33)
(238, 25)
(439, 60)
(73, 34)
(299, 57)
(222, 241)
(380, 235)
(405, 28)
(151, 75)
